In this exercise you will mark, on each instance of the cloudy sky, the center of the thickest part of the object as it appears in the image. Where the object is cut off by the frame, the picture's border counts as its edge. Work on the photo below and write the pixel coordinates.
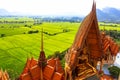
(55, 7)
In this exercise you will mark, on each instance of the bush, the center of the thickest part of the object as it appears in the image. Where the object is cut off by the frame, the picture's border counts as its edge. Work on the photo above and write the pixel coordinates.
(25, 25)
(31, 31)
(66, 30)
(36, 31)
(58, 54)
(28, 25)
(114, 71)
(113, 33)
(2, 26)
(2, 35)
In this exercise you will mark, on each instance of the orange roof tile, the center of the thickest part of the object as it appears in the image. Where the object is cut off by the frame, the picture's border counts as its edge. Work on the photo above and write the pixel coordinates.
(58, 67)
(30, 63)
(108, 43)
(26, 76)
(48, 72)
(57, 76)
(51, 62)
(35, 72)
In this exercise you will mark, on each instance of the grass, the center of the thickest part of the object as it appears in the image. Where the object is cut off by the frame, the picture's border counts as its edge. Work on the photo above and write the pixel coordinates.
(18, 45)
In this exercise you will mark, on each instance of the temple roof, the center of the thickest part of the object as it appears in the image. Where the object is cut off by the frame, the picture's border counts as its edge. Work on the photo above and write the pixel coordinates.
(89, 33)
(42, 69)
(90, 21)
(29, 64)
(52, 71)
(109, 44)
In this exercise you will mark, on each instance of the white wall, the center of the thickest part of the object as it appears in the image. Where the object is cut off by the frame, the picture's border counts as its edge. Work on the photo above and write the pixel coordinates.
(117, 61)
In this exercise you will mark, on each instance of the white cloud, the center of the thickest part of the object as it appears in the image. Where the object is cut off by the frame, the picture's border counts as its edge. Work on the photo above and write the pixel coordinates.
(55, 7)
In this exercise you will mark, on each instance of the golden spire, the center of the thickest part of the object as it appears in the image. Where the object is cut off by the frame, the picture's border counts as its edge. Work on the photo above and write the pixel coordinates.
(94, 6)
(42, 59)
(42, 40)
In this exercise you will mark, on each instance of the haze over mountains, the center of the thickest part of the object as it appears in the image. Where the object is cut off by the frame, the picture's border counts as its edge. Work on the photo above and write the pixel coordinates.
(106, 14)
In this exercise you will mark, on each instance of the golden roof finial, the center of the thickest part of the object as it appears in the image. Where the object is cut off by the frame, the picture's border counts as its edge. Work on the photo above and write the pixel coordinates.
(42, 58)
(94, 6)
(42, 40)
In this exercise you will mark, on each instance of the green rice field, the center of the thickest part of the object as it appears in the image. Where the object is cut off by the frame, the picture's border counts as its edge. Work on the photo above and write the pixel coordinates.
(17, 44)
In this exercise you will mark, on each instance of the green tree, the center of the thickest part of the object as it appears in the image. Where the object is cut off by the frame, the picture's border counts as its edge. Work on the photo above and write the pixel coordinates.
(114, 71)
(2, 35)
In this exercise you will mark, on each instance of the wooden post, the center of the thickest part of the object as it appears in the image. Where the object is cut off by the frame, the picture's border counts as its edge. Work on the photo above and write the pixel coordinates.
(65, 72)
(70, 75)
(101, 65)
(95, 63)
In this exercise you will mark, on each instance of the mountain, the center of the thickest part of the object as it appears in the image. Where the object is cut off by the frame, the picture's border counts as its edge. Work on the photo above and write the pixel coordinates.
(4, 12)
(108, 14)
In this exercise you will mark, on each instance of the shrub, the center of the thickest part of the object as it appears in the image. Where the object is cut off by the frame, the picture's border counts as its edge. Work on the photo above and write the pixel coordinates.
(114, 71)
(2, 35)
(58, 54)
(66, 30)
(31, 31)
(36, 31)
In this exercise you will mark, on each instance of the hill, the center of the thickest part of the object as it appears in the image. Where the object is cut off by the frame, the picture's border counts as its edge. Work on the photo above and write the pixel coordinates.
(4, 12)
(106, 14)
(109, 14)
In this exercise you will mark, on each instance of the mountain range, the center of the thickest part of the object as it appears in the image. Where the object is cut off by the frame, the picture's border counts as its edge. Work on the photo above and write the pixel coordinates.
(4, 12)
(106, 14)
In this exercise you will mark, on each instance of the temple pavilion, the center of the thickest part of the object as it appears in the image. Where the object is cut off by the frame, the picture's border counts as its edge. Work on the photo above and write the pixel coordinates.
(90, 46)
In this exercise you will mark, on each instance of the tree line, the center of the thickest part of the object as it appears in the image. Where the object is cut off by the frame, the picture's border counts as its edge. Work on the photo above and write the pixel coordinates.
(114, 34)
(11, 22)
